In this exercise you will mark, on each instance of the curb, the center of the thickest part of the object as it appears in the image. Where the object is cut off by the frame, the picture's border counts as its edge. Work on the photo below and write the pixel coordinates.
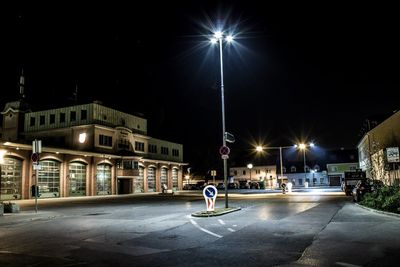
(379, 211)
(217, 212)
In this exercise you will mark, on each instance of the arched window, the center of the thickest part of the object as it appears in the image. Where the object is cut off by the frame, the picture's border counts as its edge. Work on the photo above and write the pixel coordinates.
(151, 179)
(77, 179)
(103, 180)
(164, 176)
(138, 186)
(175, 179)
(11, 178)
(49, 178)
(293, 169)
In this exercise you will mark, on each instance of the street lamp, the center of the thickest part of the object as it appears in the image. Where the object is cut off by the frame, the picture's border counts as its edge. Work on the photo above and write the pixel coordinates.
(261, 148)
(303, 147)
(250, 166)
(219, 38)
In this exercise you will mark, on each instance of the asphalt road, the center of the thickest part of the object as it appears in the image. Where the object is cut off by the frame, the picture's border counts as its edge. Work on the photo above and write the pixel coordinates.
(313, 228)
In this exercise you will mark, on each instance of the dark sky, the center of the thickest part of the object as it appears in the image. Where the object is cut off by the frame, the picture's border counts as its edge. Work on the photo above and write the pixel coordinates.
(296, 72)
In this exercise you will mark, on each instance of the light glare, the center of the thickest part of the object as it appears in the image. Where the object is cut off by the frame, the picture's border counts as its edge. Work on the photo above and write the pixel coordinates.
(229, 38)
(218, 35)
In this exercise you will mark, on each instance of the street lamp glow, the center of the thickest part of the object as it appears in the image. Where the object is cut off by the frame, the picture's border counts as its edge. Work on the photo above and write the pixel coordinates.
(213, 40)
(218, 35)
(249, 165)
(302, 146)
(261, 148)
(229, 38)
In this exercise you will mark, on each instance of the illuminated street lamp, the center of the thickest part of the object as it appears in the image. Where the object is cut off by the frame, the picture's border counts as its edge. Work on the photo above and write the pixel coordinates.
(250, 166)
(303, 147)
(261, 148)
(219, 38)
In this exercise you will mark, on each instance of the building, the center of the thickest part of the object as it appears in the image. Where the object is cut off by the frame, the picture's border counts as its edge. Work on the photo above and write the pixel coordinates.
(265, 173)
(373, 147)
(87, 150)
(321, 167)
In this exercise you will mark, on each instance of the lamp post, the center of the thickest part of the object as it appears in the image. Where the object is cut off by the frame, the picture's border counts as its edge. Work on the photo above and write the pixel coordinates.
(261, 148)
(250, 166)
(304, 147)
(218, 38)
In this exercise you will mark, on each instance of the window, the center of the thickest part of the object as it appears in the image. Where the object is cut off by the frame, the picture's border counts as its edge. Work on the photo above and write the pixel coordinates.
(42, 120)
(139, 146)
(175, 152)
(164, 150)
(130, 164)
(152, 148)
(52, 118)
(235, 172)
(244, 172)
(293, 169)
(105, 140)
(62, 117)
(32, 121)
(72, 115)
(83, 114)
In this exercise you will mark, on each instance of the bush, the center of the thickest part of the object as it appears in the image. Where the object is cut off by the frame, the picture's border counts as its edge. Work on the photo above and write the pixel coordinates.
(386, 198)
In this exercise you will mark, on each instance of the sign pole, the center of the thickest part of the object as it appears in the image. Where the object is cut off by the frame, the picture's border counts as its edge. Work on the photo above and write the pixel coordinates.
(36, 189)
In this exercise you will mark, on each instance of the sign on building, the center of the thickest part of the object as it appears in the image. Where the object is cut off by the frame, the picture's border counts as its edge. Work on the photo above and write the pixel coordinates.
(392, 154)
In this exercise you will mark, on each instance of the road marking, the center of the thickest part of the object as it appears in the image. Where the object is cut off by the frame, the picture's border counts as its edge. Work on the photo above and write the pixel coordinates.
(204, 230)
(232, 230)
(347, 264)
(221, 222)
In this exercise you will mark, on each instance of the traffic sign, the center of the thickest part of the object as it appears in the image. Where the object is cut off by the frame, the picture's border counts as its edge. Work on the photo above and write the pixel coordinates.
(224, 150)
(224, 157)
(210, 193)
(35, 157)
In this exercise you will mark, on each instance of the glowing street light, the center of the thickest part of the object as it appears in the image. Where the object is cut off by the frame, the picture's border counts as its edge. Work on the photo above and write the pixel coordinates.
(250, 166)
(303, 147)
(261, 149)
(219, 38)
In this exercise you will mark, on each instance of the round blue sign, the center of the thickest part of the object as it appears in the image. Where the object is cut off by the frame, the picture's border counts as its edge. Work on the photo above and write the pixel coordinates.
(210, 191)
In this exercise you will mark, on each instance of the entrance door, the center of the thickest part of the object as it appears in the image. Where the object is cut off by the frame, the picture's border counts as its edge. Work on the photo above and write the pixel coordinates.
(334, 180)
(124, 186)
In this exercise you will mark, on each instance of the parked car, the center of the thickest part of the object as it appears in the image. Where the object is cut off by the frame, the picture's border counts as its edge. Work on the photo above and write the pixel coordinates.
(221, 186)
(232, 186)
(243, 185)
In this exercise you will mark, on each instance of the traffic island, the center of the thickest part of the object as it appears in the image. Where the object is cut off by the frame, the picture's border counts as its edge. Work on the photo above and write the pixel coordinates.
(215, 212)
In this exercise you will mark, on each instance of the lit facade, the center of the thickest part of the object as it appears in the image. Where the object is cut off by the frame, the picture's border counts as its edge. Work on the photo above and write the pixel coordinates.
(372, 150)
(87, 150)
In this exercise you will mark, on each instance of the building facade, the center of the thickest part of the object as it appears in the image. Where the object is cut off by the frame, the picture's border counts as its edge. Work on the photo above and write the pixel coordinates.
(87, 150)
(373, 147)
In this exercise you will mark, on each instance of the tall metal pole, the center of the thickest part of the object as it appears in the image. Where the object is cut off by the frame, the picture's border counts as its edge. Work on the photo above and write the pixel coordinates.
(280, 153)
(223, 121)
(305, 173)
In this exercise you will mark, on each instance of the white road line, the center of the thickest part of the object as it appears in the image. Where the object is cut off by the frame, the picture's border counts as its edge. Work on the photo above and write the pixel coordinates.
(347, 264)
(221, 222)
(232, 230)
(204, 230)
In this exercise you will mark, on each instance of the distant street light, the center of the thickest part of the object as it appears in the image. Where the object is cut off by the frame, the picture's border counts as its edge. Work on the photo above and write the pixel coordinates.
(218, 38)
(250, 166)
(304, 147)
(261, 148)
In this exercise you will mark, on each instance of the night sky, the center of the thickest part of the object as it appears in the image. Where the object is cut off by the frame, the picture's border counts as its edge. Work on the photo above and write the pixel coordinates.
(295, 72)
